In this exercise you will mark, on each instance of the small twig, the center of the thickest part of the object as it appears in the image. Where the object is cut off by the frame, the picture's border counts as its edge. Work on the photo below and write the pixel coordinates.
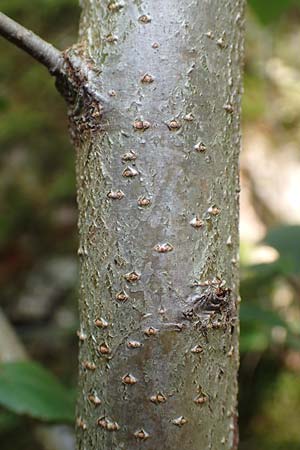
(25, 39)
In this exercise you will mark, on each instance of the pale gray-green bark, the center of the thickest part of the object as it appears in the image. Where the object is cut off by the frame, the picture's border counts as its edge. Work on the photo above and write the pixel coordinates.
(158, 190)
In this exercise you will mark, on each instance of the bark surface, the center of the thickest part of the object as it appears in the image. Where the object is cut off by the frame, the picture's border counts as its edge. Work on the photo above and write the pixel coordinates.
(157, 130)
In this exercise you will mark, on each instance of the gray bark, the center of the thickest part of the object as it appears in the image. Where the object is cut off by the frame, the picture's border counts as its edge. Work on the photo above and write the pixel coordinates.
(156, 125)
(154, 101)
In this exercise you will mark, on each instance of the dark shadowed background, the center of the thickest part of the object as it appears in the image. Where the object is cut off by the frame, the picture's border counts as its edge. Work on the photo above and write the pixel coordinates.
(38, 235)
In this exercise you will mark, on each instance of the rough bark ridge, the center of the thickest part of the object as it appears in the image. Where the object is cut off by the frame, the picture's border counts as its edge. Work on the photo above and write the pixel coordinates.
(158, 188)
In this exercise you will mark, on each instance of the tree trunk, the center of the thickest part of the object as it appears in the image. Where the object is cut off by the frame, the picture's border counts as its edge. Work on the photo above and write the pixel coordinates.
(157, 132)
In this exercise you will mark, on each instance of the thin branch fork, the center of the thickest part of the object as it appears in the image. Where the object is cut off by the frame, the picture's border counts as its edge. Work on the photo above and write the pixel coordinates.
(32, 44)
(73, 76)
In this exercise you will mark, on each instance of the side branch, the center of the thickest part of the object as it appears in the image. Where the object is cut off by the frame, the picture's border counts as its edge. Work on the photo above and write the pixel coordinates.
(25, 39)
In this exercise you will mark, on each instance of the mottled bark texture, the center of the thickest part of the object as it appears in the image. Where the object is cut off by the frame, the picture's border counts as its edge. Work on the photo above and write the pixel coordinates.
(157, 131)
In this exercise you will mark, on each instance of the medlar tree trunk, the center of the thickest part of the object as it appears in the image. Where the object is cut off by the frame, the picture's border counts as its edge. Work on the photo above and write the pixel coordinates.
(158, 194)
(154, 91)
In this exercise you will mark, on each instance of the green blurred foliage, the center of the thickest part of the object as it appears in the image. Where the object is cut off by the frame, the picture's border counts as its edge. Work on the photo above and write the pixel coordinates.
(258, 316)
(269, 401)
(269, 11)
(37, 174)
(27, 388)
(283, 400)
(270, 335)
(286, 240)
(8, 421)
(37, 221)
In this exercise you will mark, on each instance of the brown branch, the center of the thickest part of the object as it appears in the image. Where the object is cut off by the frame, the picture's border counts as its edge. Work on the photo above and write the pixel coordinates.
(26, 40)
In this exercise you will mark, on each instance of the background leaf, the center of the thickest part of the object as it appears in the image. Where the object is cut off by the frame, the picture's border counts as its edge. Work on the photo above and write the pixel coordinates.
(286, 240)
(27, 388)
